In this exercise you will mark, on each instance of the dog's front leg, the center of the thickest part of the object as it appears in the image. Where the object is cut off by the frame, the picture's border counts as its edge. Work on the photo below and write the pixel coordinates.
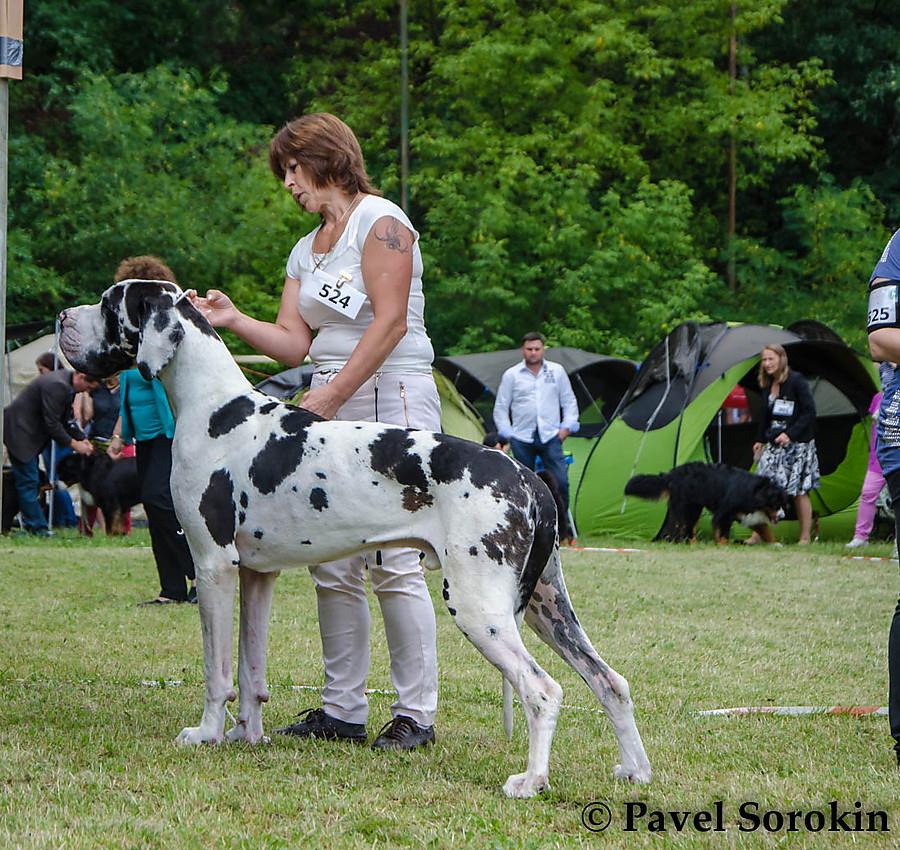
(216, 584)
(256, 604)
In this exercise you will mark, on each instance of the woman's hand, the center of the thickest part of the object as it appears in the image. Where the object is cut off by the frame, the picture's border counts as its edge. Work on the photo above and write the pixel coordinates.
(217, 308)
(323, 400)
(782, 439)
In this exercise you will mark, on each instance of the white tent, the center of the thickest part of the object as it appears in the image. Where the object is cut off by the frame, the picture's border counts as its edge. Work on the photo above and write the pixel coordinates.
(20, 368)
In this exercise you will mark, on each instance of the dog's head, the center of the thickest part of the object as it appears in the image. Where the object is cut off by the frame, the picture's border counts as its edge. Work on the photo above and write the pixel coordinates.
(70, 469)
(771, 499)
(137, 322)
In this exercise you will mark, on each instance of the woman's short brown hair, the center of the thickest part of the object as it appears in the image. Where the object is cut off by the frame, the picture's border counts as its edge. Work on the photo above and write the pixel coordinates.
(145, 267)
(326, 149)
(783, 371)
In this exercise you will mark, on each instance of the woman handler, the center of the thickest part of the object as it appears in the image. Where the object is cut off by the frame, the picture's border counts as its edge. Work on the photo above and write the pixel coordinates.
(787, 446)
(353, 301)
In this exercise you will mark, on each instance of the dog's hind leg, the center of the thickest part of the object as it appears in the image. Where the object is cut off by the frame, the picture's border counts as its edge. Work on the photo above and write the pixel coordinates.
(495, 634)
(217, 575)
(550, 614)
(256, 605)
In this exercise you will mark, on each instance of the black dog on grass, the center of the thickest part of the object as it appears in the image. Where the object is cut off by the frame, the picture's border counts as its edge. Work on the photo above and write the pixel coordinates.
(111, 485)
(728, 493)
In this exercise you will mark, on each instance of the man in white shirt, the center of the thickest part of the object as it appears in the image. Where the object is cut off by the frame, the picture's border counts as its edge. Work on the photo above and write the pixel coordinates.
(536, 410)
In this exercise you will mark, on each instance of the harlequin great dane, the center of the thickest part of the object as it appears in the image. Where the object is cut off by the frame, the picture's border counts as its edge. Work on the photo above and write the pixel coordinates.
(260, 486)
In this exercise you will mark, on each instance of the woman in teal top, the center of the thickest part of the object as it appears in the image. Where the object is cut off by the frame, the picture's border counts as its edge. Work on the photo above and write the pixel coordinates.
(147, 419)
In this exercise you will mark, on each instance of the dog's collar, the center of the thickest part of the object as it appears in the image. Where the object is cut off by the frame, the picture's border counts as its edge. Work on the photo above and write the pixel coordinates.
(184, 293)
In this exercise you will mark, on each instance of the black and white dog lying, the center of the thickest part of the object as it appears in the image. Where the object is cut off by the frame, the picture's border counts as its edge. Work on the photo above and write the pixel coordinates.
(260, 486)
(728, 493)
(111, 485)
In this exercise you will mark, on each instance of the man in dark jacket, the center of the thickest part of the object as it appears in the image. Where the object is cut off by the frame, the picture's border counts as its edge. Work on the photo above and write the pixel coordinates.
(41, 412)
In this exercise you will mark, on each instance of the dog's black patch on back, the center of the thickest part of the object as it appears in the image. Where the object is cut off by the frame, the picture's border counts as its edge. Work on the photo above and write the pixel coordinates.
(269, 406)
(391, 456)
(217, 507)
(280, 456)
(230, 415)
(487, 468)
(277, 459)
(318, 498)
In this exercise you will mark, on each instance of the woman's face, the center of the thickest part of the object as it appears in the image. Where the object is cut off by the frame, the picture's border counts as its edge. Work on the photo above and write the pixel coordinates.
(301, 187)
(770, 361)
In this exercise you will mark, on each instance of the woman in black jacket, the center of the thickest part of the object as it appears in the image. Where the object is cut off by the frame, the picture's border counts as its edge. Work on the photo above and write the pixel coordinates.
(786, 449)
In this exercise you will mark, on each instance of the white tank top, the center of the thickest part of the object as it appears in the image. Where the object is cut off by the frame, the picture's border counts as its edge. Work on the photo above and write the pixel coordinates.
(336, 334)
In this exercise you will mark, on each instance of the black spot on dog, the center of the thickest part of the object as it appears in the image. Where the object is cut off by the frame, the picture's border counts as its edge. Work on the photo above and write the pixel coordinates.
(322, 440)
(473, 551)
(298, 420)
(318, 498)
(488, 469)
(160, 320)
(268, 407)
(244, 500)
(217, 507)
(453, 614)
(235, 563)
(492, 631)
(241, 517)
(230, 415)
(321, 475)
(176, 335)
(306, 542)
(374, 483)
(391, 456)
(258, 533)
(294, 488)
(191, 314)
(278, 458)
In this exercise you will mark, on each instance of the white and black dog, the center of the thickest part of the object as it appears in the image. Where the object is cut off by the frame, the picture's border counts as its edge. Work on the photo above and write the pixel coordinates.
(260, 486)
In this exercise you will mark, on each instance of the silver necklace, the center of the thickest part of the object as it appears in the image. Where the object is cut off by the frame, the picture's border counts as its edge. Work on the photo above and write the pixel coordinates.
(319, 260)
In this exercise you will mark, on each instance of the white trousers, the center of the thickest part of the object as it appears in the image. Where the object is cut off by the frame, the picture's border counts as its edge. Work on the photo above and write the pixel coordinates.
(410, 400)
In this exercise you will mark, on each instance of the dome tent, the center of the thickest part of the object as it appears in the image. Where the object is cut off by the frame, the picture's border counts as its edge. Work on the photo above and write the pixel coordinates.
(671, 415)
(598, 381)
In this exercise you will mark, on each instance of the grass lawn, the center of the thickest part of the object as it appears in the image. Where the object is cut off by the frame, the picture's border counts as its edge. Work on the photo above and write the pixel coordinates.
(87, 758)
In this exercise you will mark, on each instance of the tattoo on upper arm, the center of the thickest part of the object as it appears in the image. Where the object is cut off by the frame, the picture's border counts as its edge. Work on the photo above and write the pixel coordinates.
(394, 235)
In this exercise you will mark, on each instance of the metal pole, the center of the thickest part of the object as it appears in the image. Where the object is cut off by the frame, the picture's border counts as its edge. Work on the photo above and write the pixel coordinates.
(4, 153)
(732, 154)
(404, 107)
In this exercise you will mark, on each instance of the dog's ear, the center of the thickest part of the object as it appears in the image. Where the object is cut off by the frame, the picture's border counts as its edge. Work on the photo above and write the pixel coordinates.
(160, 330)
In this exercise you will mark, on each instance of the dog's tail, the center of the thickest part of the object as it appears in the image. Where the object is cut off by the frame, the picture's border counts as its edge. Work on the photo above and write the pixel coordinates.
(648, 486)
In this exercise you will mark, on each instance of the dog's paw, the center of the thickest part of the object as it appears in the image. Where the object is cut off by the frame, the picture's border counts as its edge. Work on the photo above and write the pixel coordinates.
(192, 736)
(636, 775)
(524, 785)
(240, 733)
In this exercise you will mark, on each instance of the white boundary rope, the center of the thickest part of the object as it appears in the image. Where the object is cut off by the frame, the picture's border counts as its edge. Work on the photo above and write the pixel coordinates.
(797, 710)
(619, 549)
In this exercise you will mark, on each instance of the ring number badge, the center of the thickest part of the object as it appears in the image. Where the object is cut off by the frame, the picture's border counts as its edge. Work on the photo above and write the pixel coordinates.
(337, 294)
(882, 311)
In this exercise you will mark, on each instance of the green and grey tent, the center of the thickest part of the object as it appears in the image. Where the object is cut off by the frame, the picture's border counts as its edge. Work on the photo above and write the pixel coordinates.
(672, 414)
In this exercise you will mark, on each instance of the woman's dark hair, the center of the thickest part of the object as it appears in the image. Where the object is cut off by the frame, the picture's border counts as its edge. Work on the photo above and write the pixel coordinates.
(326, 149)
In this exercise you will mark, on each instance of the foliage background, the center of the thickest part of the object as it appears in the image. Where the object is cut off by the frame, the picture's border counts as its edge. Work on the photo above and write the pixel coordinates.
(569, 161)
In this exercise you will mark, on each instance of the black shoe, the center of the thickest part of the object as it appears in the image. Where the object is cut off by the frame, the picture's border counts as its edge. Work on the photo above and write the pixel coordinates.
(192, 595)
(315, 723)
(403, 733)
(160, 600)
